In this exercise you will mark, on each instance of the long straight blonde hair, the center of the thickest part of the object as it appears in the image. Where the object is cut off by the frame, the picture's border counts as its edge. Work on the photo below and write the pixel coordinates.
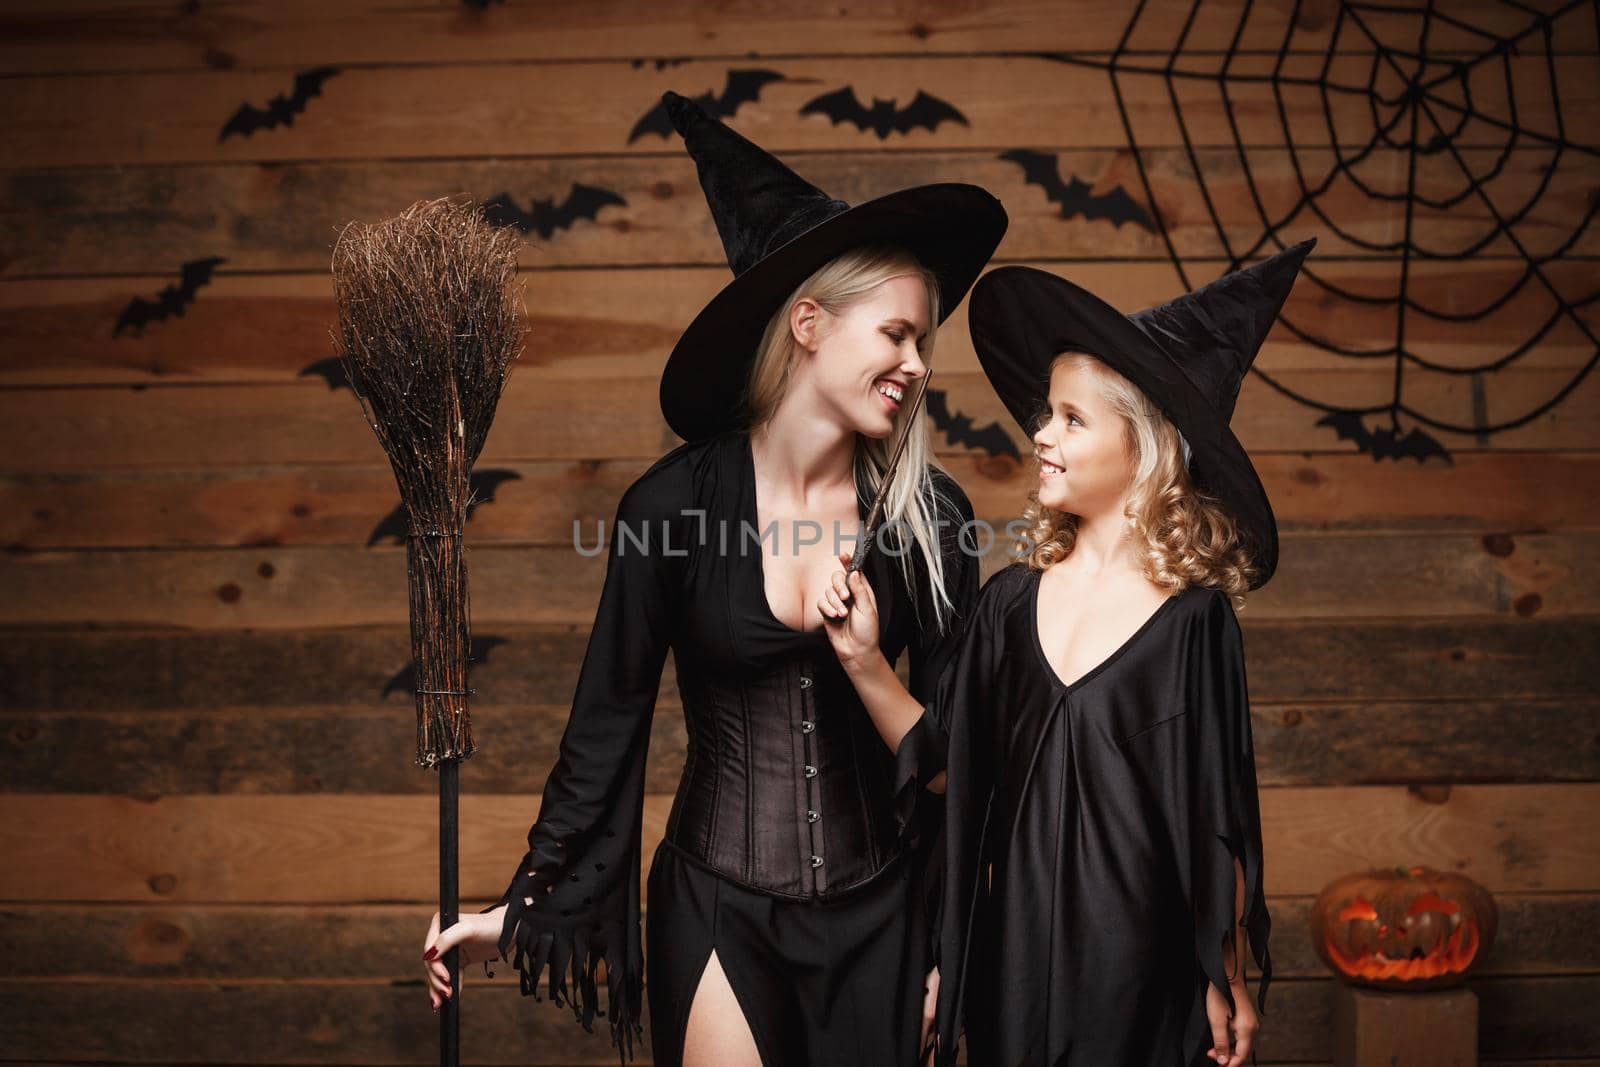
(914, 500)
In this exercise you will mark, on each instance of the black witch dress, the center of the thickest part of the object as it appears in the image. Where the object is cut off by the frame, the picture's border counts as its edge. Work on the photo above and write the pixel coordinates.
(1090, 835)
(796, 839)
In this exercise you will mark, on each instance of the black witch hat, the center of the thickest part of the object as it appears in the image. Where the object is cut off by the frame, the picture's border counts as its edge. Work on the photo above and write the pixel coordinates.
(1188, 355)
(777, 228)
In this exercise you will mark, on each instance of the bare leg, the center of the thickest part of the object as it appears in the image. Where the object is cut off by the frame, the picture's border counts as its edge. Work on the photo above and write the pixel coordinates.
(717, 1034)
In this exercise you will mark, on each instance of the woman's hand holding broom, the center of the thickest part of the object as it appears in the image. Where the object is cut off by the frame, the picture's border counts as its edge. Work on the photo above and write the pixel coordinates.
(476, 938)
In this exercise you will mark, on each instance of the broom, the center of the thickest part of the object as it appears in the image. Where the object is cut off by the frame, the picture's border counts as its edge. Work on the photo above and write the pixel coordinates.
(428, 327)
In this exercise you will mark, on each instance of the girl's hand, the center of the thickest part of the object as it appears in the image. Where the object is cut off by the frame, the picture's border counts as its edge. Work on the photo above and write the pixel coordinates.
(1238, 1030)
(930, 1003)
(475, 937)
(850, 616)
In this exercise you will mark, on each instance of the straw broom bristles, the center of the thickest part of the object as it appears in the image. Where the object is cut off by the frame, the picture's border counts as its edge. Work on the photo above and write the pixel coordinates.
(428, 327)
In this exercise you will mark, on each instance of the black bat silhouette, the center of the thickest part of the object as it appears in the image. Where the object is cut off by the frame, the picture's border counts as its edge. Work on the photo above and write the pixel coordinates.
(958, 430)
(1073, 196)
(485, 482)
(405, 680)
(924, 112)
(481, 5)
(280, 110)
(583, 202)
(171, 300)
(740, 87)
(661, 64)
(1385, 443)
(331, 370)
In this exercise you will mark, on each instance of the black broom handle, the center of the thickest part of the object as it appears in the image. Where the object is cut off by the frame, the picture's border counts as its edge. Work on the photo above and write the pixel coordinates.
(449, 1015)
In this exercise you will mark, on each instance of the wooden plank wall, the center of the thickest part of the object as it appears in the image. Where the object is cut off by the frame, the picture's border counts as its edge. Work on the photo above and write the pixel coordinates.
(218, 848)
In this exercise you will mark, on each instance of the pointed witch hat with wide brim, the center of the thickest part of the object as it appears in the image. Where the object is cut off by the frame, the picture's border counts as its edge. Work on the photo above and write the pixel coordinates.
(777, 229)
(1189, 355)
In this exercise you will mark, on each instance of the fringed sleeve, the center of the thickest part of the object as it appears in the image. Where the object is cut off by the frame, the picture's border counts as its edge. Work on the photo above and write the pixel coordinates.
(1224, 810)
(573, 901)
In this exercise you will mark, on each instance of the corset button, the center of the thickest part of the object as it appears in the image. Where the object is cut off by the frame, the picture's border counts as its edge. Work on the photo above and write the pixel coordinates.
(805, 681)
(806, 726)
(812, 816)
(816, 861)
(811, 772)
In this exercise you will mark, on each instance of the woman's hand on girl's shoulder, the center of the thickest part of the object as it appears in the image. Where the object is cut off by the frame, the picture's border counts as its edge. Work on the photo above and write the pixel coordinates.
(850, 617)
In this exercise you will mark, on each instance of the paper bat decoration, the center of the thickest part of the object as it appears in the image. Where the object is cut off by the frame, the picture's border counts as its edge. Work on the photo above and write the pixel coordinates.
(330, 370)
(171, 300)
(1074, 196)
(405, 680)
(1385, 443)
(958, 430)
(482, 485)
(740, 87)
(280, 110)
(924, 112)
(545, 216)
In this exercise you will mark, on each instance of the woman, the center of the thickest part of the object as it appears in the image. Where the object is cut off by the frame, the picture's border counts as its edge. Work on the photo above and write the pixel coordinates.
(784, 898)
(1103, 841)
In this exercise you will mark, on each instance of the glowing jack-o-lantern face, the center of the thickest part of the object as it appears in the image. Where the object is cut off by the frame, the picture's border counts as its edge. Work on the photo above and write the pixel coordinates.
(1404, 928)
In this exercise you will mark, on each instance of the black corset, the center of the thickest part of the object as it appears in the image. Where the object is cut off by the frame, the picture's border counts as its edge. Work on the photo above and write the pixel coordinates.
(787, 784)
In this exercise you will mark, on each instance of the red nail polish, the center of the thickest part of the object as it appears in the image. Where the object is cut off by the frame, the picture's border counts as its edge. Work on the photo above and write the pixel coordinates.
(431, 953)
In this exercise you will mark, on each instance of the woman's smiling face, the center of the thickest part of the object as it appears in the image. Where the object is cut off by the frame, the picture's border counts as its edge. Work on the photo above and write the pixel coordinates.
(1085, 462)
(865, 361)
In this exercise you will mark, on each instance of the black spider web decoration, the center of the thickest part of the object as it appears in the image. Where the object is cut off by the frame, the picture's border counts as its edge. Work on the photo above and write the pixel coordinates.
(1427, 113)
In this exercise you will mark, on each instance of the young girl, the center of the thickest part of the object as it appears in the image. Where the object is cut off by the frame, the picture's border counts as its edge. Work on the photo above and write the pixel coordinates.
(784, 888)
(1102, 839)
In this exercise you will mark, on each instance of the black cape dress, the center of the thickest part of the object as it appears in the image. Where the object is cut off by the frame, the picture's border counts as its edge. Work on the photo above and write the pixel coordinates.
(796, 841)
(1090, 835)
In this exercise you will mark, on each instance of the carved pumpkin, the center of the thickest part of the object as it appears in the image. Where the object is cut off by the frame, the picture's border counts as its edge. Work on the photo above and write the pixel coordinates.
(1403, 928)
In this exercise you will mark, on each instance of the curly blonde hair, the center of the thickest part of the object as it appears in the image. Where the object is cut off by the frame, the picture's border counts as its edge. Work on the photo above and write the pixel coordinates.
(1187, 535)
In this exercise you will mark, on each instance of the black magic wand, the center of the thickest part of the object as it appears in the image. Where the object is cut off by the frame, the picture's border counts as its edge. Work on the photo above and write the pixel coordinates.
(875, 513)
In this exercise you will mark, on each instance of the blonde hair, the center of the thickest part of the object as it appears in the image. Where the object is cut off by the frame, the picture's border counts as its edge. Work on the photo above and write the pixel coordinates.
(914, 501)
(1187, 537)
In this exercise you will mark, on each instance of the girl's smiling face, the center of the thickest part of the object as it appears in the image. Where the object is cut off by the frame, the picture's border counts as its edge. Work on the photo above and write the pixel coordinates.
(864, 362)
(1085, 463)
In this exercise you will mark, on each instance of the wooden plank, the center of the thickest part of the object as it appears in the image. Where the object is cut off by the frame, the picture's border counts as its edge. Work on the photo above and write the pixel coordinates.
(1541, 1016)
(1422, 741)
(367, 750)
(207, 1022)
(537, 503)
(110, 428)
(328, 848)
(75, 221)
(339, 1023)
(51, 36)
(1318, 576)
(587, 107)
(622, 323)
(1540, 934)
(346, 1023)
(1290, 662)
(365, 1023)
